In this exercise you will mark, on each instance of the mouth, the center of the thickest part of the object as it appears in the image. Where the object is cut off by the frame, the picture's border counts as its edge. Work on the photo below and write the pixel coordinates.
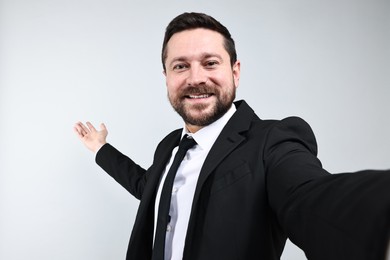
(200, 96)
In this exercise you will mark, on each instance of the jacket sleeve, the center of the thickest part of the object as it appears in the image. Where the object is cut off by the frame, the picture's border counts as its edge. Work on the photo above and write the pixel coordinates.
(124, 170)
(329, 216)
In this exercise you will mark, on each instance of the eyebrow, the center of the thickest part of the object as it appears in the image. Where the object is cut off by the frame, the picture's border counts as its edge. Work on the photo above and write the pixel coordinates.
(203, 56)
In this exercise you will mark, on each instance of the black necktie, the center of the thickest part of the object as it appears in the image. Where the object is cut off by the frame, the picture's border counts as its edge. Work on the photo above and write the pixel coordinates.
(163, 217)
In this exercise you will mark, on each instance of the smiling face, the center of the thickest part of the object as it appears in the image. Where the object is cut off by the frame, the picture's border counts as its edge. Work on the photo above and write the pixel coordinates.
(200, 80)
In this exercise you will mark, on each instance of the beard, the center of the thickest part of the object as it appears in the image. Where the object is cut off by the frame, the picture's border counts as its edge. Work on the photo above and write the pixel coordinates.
(203, 114)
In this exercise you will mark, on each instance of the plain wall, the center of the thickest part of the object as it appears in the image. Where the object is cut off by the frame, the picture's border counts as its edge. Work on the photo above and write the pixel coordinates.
(99, 60)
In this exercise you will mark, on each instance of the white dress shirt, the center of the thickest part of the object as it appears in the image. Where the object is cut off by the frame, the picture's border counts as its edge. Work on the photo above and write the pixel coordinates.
(185, 183)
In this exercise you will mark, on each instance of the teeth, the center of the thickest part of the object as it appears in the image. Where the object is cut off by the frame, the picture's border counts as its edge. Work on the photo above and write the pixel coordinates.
(200, 96)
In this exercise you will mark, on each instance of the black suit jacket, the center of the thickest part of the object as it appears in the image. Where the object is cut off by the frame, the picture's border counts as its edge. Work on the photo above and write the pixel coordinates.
(261, 183)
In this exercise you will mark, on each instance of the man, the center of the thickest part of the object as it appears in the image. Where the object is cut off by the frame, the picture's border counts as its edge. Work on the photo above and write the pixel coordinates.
(248, 183)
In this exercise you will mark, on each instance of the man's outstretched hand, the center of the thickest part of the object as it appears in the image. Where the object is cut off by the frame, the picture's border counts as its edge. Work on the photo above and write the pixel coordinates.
(92, 138)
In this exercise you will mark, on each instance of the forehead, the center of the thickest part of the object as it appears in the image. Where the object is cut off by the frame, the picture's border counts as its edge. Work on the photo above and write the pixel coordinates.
(195, 41)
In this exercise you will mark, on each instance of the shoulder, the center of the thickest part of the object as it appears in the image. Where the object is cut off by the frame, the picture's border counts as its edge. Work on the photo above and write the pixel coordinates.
(272, 131)
(169, 141)
(290, 132)
(292, 123)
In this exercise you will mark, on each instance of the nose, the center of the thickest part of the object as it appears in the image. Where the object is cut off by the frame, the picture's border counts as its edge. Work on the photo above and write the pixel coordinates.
(196, 76)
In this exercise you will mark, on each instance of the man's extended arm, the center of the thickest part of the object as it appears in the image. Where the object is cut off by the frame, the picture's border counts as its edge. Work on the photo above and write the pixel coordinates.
(117, 165)
(329, 216)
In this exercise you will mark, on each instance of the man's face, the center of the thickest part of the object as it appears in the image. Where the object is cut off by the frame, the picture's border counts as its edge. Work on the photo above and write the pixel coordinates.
(200, 80)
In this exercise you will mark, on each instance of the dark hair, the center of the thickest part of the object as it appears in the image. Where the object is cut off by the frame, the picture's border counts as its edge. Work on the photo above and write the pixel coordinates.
(188, 21)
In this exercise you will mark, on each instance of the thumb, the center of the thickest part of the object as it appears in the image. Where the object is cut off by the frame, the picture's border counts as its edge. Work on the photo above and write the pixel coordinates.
(103, 127)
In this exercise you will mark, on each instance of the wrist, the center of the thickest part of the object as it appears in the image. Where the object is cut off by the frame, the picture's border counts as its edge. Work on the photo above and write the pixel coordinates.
(98, 147)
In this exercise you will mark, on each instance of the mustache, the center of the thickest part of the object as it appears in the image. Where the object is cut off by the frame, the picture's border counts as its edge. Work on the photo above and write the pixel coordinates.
(201, 89)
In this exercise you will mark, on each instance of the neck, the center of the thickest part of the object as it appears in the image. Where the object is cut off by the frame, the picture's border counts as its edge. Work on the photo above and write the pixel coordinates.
(193, 128)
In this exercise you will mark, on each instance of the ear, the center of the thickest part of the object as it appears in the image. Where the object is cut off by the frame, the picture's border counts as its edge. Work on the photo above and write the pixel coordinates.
(236, 72)
(164, 72)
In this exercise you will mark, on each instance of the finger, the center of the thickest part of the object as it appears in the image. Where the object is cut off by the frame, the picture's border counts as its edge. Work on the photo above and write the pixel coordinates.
(103, 127)
(84, 130)
(91, 127)
(79, 128)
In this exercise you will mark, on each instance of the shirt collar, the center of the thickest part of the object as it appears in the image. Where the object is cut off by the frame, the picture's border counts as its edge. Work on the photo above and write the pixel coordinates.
(207, 135)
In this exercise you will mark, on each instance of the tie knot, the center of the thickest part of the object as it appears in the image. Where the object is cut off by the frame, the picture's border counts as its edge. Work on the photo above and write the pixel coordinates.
(186, 143)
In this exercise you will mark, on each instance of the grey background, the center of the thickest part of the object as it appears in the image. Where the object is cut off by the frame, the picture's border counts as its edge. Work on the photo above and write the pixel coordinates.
(99, 60)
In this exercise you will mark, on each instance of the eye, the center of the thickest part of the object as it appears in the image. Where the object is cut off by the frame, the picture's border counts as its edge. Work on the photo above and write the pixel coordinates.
(179, 66)
(211, 63)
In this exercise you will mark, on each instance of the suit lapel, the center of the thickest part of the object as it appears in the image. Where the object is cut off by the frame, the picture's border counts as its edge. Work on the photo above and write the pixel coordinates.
(230, 137)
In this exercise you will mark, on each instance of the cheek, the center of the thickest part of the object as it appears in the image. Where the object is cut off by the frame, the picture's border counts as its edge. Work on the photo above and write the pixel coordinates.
(172, 88)
(174, 83)
(169, 82)
(222, 80)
